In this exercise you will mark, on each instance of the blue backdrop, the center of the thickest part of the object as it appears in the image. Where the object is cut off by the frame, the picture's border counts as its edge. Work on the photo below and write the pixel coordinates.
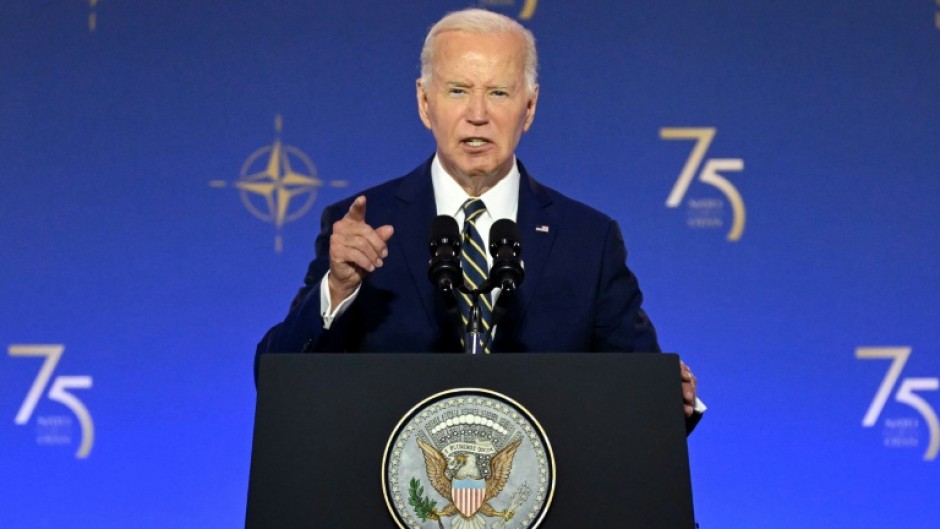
(145, 235)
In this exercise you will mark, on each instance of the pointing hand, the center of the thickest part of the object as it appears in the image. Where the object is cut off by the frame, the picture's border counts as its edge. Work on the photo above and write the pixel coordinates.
(356, 249)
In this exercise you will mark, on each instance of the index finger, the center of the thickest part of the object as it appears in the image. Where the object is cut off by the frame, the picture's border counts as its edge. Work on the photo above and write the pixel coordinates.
(357, 211)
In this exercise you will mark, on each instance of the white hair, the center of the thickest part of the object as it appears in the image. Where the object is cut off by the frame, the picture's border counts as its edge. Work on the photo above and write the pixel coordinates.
(481, 22)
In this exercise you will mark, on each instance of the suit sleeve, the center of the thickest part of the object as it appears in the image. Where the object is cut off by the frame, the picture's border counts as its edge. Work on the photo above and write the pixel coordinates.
(620, 324)
(302, 330)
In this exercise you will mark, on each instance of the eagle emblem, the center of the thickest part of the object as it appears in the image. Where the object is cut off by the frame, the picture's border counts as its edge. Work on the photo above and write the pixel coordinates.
(462, 483)
(468, 459)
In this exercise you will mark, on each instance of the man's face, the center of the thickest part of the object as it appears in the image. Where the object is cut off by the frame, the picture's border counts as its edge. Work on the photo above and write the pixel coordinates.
(476, 104)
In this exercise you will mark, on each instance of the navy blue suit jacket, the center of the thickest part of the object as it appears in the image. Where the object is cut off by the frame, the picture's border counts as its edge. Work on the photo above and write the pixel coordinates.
(578, 294)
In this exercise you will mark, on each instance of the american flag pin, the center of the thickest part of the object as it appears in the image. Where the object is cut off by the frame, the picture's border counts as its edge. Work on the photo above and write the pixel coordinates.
(541, 228)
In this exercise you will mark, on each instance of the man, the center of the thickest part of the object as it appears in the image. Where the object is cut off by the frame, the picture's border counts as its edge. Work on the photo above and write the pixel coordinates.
(368, 289)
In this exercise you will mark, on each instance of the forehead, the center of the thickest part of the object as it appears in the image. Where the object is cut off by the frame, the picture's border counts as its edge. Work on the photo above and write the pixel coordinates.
(474, 54)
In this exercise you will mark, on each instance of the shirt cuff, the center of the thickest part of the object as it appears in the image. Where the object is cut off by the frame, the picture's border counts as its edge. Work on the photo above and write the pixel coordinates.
(327, 312)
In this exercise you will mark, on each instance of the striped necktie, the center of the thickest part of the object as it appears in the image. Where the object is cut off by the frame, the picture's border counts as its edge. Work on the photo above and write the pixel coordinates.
(475, 270)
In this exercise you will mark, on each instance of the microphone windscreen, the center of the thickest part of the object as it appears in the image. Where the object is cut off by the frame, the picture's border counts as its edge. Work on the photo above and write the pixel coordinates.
(504, 230)
(444, 226)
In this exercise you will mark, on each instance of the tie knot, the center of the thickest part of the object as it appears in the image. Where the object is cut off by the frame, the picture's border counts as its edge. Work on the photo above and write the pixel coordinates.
(473, 208)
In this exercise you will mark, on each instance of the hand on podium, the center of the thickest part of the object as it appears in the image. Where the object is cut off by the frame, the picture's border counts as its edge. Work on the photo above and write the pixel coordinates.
(688, 389)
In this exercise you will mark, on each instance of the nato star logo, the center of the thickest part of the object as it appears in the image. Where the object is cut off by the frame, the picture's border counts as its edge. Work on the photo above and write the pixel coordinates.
(278, 184)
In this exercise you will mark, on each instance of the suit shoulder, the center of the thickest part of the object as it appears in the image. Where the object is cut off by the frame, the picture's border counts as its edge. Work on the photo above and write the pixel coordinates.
(569, 208)
(376, 193)
(381, 196)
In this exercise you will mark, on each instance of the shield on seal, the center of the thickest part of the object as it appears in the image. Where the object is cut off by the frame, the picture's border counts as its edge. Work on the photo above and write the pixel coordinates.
(468, 495)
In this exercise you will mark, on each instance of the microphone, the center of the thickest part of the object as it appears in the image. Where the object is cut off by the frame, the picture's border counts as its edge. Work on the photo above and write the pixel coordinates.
(444, 266)
(507, 271)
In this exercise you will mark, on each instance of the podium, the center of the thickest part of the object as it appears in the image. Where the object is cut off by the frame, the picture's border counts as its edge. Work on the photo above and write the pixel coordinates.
(614, 421)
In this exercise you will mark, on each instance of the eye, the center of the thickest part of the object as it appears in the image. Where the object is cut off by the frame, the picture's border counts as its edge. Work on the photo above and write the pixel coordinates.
(456, 90)
(499, 93)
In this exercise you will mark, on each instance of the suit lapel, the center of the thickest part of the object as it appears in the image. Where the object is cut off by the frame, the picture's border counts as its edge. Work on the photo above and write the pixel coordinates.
(538, 227)
(414, 211)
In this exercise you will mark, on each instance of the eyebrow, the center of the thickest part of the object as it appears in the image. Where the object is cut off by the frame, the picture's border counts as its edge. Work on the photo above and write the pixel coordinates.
(460, 84)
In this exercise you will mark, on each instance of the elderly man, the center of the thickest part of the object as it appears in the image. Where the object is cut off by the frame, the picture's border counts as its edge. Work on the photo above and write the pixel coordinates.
(368, 290)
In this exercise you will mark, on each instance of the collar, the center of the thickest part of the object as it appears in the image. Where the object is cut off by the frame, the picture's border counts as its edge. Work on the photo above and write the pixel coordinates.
(502, 200)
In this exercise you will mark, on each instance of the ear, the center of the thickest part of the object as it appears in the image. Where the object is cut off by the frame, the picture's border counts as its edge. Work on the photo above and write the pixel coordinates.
(530, 108)
(422, 96)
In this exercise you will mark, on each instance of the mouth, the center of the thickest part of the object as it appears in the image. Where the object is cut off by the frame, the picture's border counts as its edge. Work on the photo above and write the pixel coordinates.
(475, 143)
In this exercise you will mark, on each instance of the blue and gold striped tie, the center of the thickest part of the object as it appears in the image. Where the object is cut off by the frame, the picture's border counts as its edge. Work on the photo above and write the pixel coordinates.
(473, 262)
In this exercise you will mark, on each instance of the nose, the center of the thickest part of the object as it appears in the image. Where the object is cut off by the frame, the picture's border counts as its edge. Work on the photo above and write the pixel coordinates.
(477, 112)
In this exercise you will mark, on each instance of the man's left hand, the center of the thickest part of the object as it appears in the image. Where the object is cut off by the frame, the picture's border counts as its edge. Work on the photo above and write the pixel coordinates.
(688, 388)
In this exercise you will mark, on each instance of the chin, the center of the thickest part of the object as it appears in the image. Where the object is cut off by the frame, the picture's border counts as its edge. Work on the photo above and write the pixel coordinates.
(482, 170)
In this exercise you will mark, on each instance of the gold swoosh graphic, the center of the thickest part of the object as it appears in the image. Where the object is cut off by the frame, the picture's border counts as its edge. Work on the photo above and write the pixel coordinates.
(528, 10)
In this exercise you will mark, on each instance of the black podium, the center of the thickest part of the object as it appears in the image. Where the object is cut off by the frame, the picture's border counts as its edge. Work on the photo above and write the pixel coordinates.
(614, 421)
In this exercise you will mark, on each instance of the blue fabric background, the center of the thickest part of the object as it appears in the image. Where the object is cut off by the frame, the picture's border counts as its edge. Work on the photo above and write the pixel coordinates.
(115, 118)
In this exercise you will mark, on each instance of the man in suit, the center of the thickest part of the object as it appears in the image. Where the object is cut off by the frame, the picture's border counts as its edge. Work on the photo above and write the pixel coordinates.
(368, 289)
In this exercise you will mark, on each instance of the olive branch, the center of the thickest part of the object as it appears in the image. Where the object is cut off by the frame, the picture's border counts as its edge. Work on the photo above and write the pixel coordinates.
(423, 507)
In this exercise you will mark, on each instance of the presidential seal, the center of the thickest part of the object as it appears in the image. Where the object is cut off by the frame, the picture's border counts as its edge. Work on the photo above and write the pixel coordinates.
(468, 459)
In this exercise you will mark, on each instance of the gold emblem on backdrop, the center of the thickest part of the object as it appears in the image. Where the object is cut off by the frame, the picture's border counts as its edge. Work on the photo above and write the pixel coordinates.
(278, 184)
(525, 12)
(902, 431)
(92, 15)
(55, 429)
(706, 212)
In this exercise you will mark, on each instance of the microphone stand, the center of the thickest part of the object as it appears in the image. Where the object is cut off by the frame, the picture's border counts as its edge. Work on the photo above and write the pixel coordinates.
(444, 271)
(471, 340)
(475, 336)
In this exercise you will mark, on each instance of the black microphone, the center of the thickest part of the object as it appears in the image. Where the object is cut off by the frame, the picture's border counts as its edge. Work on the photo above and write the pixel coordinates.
(507, 271)
(444, 266)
